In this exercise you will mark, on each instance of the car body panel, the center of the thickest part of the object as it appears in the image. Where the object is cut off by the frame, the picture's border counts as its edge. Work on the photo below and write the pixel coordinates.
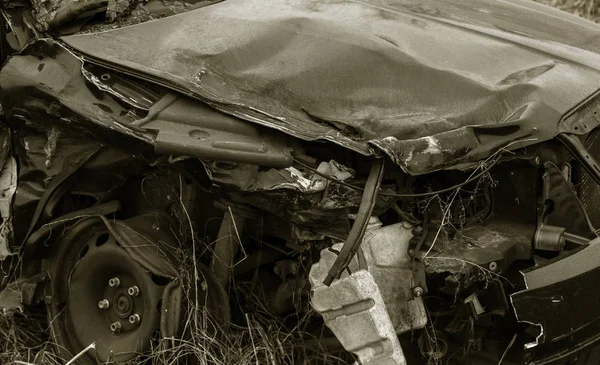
(432, 84)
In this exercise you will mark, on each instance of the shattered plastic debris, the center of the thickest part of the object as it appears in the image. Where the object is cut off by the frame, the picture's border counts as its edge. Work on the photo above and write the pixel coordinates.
(353, 308)
(299, 178)
(315, 182)
(335, 169)
(248, 178)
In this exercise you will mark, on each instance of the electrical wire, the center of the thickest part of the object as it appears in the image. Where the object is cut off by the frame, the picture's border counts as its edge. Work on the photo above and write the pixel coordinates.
(406, 195)
(510, 344)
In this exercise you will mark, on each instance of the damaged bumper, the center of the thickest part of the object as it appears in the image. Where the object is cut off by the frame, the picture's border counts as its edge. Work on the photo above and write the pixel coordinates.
(562, 301)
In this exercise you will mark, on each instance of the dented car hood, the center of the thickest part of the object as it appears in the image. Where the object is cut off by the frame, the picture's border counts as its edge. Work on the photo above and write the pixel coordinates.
(432, 84)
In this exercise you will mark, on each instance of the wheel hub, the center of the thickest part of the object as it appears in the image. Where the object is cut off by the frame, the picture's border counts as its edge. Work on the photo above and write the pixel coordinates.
(124, 305)
(118, 318)
(120, 295)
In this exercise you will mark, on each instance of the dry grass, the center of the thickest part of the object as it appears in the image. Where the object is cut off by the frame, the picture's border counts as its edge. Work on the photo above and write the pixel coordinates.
(24, 339)
(264, 338)
(589, 9)
(261, 337)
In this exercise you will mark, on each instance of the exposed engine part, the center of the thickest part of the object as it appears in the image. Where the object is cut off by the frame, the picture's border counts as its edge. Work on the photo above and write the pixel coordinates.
(469, 208)
(390, 277)
(495, 245)
(386, 254)
(549, 238)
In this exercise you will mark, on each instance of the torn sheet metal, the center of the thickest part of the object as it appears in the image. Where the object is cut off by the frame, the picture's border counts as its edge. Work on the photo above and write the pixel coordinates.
(125, 90)
(19, 293)
(306, 199)
(43, 156)
(250, 178)
(183, 126)
(60, 91)
(53, 158)
(561, 297)
(70, 92)
(306, 68)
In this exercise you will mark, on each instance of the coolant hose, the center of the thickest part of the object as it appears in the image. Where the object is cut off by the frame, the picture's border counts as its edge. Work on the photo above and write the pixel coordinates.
(355, 236)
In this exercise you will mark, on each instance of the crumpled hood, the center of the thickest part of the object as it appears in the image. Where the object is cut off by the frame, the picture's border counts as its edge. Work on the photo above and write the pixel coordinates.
(433, 84)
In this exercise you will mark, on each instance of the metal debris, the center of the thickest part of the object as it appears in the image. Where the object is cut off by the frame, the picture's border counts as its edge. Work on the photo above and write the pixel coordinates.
(19, 293)
(8, 187)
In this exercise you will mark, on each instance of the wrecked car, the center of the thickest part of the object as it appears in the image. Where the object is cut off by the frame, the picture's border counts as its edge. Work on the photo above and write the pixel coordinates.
(420, 177)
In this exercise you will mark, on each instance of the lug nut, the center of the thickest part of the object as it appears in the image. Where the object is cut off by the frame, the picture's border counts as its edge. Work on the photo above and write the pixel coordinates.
(417, 291)
(134, 291)
(134, 318)
(114, 282)
(115, 327)
(103, 304)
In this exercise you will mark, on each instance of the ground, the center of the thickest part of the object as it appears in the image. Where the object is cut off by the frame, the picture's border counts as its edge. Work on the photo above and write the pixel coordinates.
(589, 9)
